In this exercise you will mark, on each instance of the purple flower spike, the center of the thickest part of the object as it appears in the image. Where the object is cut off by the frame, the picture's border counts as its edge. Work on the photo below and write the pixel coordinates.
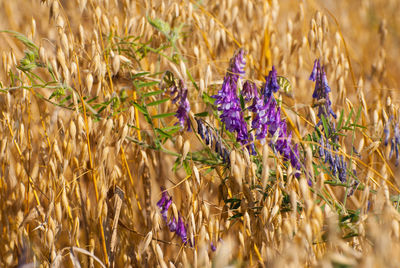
(164, 205)
(267, 121)
(271, 84)
(211, 139)
(174, 225)
(163, 199)
(386, 130)
(395, 143)
(321, 91)
(179, 95)
(228, 102)
(313, 75)
(181, 230)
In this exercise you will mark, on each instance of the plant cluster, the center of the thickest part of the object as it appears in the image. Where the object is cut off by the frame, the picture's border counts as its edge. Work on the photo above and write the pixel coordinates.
(259, 162)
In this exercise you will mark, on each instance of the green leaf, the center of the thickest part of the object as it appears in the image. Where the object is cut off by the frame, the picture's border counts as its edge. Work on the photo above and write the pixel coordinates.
(163, 134)
(325, 124)
(241, 101)
(140, 108)
(92, 99)
(186, 167)
(349, 118)
(203, 114)
(152, 93)
(101, 109)
(171, 130)
(139, 75)
(359, 126)
(123, 95)
(207, 98)
(23, 39)
(176, 164)
(236, 216)
(162, 115)
(340, 119)
(192, 80)
(139, 85)
(158, 102)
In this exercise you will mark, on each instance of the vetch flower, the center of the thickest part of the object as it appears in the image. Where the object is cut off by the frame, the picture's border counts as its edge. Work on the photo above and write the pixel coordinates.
(249, 90)
(228, 102)
(313, 75)
(213, 140)
(395, 143)
(179, 95)
(386, 130)
(271, 84)
(267, 121)
(264, 116)
(164, 203)
(181, 230)
(321, 91)
(213, 247)
(342, 168)
(337, 164)
(328, 151)
(174, 225)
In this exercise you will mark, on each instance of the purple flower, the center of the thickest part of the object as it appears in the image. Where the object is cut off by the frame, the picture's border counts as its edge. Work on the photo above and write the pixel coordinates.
(321, 91)
(174, 225)
(386, 130)
(228, 102)
(395, 143)
(271, 84)
(321, 147)
(265, 115)
(181, 230)
(337, 165)
(213, 247)
(179, 94)
(313, 75)
(295, 157)
(210, 138)
(328, 150)
(164, 205)
(267, 120)
(342, 168)
(354, 186)
(249, 91)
